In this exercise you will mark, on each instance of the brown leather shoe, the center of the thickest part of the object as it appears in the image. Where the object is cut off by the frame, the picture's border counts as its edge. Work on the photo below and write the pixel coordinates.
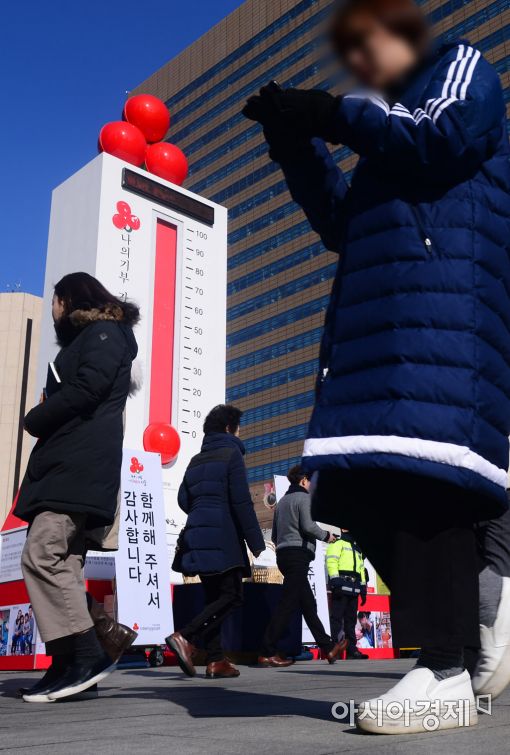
(184, 651)
(273, 661)
(335, 651)
(221, 670)
(113, 637)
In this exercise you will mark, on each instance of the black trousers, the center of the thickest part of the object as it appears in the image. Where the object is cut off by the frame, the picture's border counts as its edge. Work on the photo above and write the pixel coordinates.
(296, 595)
(223, 594)
(419, 535)
(343, 613)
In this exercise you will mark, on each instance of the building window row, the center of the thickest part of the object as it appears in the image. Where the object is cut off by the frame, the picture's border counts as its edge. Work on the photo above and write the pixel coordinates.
(262, 247)
(275, 351)
(257, 175)
(277, 408)
(211, 178)
(246, 91)
(474, 21)
(277, 321)
(265, 33)
(266, 471)
(266, 272)
(435, 16)
(255, 200)
(312, 278)
(276, 438)
(275, 379)
(271, 217)
(487, 43)
(270, 167)
(262, 57)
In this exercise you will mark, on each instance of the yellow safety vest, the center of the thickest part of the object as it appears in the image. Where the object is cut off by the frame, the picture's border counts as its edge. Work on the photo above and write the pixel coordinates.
(342, 556)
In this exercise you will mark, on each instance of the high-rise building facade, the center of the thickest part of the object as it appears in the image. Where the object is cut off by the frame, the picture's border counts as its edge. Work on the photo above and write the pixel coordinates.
(20, 320)
(279, 274)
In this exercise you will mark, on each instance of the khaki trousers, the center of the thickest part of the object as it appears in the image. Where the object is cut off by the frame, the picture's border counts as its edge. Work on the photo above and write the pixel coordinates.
(52, 565)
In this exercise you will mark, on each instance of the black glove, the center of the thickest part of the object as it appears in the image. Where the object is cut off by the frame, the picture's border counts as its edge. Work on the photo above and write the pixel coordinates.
(307, 112)
(363, 595)
(335, 584)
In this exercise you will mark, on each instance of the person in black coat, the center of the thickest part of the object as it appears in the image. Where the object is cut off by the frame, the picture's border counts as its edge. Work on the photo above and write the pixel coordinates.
(73, 474)
(216, 497)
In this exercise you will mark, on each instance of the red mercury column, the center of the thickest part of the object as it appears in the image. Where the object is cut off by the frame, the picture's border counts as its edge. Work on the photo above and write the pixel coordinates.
(163, 324)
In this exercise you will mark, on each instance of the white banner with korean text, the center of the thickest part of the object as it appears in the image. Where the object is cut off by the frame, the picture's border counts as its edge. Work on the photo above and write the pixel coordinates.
(316, 572)
(142, 565)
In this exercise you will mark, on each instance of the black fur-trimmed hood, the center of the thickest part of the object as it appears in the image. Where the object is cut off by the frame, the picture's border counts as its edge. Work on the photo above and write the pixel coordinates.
(127, 313)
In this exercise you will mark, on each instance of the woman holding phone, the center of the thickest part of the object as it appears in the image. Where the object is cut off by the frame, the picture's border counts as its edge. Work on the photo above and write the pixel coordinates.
(413, 394)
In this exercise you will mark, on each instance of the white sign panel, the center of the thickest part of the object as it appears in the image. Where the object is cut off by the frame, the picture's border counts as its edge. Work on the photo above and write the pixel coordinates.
(316, 572)
(142, 568)
(11, 546)
(99, 565)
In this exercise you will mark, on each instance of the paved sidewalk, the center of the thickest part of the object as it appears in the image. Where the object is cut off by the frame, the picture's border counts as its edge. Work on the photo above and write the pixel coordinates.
(264, 711)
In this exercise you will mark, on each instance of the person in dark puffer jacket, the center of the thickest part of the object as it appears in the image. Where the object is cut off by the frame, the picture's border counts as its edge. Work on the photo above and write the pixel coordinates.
(412, 405)
(216, 497)
(73, 475)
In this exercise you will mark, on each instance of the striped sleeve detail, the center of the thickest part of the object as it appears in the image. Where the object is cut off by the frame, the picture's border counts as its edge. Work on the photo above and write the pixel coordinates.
(455, 86)
(458, 78)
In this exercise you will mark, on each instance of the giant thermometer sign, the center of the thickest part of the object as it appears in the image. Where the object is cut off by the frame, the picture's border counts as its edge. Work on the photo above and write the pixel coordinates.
(166, 249)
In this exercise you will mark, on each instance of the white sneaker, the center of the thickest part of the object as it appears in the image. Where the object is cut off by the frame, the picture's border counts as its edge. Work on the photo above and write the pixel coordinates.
(492, 672)
(420, 703)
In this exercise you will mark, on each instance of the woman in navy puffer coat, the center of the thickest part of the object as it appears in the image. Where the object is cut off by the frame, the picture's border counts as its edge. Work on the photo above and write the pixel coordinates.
(216, 497)
(409, 433)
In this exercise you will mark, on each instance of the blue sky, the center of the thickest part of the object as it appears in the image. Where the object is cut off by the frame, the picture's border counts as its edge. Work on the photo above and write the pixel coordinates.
(64, 70)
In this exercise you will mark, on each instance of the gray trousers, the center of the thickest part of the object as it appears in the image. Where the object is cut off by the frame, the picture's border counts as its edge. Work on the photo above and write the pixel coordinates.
(52, 565)
(493, 539)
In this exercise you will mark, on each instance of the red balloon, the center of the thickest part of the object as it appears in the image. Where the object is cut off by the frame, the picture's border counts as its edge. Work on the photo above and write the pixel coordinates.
(149, 114)
(167, 161)
(123, 140)
(162, 438)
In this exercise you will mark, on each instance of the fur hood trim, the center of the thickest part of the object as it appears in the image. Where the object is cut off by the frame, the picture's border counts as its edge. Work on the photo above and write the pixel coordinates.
(82, 317)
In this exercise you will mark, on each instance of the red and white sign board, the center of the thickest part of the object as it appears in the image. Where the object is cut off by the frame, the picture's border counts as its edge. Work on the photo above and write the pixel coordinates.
(164, 248)
(141, 563)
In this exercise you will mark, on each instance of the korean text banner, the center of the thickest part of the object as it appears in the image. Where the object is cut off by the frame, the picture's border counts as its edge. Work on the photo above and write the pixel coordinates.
(142, 567)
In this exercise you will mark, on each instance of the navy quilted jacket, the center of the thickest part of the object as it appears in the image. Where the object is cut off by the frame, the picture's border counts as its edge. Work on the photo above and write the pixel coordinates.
(216, 497)
(415, 358)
